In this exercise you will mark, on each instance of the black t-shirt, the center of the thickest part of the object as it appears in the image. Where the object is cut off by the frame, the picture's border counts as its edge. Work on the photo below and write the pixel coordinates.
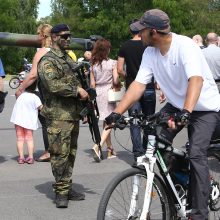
(132, 51)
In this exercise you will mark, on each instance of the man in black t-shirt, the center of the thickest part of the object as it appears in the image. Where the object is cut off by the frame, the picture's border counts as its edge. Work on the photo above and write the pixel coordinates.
(129, 60)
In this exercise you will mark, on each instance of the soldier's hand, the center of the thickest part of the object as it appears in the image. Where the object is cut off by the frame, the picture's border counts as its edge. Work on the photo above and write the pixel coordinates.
(83, 94)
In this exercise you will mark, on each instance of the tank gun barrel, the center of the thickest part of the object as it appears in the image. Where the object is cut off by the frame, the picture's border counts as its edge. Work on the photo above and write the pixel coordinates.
(28, 40)
(20, 40)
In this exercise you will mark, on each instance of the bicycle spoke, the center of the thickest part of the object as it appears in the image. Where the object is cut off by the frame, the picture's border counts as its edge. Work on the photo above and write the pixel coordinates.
(214, 201)
(119, 203)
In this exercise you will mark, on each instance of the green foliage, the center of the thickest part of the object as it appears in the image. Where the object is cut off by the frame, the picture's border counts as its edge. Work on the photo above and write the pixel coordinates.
(188, 17)
(108, 18)
(17, 16)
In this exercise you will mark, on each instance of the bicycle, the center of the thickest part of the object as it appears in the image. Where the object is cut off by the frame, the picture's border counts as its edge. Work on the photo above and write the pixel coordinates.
(144, 192)
(16, 81)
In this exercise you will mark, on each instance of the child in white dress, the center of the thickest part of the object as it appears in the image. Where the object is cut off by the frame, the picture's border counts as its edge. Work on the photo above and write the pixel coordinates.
(24, 116)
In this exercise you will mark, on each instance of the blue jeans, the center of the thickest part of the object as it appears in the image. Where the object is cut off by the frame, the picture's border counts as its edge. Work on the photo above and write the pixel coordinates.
(146, 105)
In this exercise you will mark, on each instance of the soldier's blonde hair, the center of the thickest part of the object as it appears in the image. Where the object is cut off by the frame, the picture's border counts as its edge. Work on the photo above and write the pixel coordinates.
(44, 30)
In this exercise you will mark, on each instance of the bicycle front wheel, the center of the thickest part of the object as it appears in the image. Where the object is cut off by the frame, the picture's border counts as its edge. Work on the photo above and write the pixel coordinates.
(14, 82)
(214, 172)
(118, 200)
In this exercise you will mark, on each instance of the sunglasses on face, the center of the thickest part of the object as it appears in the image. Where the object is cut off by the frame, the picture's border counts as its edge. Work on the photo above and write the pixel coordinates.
(64, 36)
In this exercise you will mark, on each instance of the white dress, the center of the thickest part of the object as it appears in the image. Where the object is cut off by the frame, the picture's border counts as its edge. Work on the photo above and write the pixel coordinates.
(25, 111)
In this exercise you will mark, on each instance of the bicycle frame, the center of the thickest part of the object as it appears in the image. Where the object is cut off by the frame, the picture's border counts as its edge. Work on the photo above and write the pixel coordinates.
(180, 207)
(154, 155)
(148, 161)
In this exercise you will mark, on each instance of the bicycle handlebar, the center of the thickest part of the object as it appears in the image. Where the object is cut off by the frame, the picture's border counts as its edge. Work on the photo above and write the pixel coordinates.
(157, 118)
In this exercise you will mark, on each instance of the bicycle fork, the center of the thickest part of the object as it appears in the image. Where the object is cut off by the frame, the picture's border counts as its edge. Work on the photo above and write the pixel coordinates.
(149, 165)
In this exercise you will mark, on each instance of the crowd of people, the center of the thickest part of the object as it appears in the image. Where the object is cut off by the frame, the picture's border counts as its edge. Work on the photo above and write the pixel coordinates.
(185, 70)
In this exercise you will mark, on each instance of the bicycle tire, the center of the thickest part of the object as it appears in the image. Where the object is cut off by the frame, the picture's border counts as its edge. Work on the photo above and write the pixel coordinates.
(214, 171)
(14, 82)
(115, 201)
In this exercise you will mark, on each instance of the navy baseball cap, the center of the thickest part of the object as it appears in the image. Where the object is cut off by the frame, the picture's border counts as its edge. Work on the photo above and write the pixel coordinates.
(60, 27)
(155, 19)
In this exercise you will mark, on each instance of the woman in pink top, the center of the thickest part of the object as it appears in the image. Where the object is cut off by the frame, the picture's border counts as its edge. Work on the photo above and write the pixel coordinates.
(103, 76)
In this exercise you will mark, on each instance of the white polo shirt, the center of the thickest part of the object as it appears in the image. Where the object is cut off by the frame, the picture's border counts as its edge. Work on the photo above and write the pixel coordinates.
(172, 71)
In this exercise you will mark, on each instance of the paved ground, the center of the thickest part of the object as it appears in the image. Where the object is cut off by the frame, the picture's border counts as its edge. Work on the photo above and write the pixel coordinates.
(25, 190)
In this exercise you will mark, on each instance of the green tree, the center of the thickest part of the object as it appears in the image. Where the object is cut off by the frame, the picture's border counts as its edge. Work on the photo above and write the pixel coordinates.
(190, 17)
(110, 18)
(17, 16)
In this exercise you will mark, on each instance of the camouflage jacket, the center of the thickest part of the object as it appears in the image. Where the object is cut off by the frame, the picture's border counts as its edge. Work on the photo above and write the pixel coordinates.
(59, 85)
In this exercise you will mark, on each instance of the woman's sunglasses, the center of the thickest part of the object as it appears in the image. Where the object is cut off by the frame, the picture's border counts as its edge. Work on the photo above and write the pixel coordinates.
(64, 36)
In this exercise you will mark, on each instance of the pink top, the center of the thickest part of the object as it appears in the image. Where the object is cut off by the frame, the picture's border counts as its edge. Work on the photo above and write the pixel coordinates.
(103, 78)
(103, 72)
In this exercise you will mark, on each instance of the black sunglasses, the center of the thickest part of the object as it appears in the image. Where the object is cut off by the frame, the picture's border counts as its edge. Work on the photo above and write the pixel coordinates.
(64, 36)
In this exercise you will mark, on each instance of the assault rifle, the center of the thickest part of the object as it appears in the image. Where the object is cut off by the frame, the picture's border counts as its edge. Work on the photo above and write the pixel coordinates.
(90, 109)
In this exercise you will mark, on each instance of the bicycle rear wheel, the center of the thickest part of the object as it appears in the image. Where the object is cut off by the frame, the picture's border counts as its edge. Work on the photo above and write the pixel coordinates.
(14, 82)
(214, 171)
(116, 199)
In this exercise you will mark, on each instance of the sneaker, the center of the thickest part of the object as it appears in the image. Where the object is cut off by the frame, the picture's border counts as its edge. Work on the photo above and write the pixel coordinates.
(29, 160)
(75, 196)
(21, 160)
(61, 201)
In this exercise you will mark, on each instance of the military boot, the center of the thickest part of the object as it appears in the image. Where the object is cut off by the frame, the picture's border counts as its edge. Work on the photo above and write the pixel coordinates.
(75, 196)
(61, 201)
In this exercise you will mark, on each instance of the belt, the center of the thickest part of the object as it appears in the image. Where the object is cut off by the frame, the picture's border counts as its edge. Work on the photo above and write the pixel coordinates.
(217, 80)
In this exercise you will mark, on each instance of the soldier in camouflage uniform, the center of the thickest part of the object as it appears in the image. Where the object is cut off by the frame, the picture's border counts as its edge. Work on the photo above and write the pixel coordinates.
(62, 95)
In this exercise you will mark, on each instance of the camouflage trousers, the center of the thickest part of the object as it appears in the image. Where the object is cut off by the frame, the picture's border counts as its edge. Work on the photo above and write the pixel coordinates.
(62, 137)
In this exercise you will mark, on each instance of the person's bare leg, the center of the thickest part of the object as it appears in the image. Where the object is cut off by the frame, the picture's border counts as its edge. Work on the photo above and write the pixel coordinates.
(111, 152)
(30, 145)
(108, 141)
(30, 142)
(104, 136)
(20, 143)
(20, 148)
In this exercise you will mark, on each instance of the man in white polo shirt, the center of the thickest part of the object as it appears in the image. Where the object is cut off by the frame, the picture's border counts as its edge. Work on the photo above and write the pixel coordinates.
(183, 74)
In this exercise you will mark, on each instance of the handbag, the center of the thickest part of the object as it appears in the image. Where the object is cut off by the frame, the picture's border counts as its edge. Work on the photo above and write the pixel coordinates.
(115, 96)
